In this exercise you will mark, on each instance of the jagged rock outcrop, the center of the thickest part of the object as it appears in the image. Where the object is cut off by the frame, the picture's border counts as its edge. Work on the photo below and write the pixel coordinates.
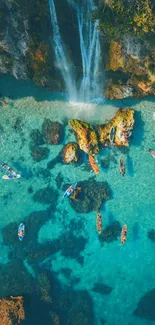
(86, 137)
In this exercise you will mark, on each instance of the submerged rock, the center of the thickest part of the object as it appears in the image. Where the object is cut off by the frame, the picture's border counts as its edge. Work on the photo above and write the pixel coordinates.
(102, 288)
(92, 195)
(111, 232)
(122, 122)
(46, 195)
(145, 308)
(53, 132)
(39, 153)
(11, 310)
(151, 235)
(86, 137)
(71, 153)
(36, 138)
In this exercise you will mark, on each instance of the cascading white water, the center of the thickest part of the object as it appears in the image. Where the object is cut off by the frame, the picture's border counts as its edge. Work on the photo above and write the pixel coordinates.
(62, 61)
(90, 85)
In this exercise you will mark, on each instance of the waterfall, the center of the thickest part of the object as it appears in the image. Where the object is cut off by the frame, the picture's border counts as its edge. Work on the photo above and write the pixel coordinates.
(61, 55)
(89, 87)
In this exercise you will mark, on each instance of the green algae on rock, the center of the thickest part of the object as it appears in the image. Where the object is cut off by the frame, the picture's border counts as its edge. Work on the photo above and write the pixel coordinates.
(123, 122)
(86, 137)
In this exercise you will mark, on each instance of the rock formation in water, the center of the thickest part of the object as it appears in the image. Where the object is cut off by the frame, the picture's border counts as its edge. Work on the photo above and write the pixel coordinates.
(86, 137)
(122, 123)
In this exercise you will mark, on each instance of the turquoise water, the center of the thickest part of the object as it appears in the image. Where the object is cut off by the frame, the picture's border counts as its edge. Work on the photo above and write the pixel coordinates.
(128, 269)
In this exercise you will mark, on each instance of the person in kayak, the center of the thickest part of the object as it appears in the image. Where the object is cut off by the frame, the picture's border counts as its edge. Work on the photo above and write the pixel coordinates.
(122, 167)
(12, 175)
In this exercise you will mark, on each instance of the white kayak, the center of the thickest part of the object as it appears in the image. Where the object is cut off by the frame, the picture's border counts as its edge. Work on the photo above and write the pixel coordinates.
(11, 176)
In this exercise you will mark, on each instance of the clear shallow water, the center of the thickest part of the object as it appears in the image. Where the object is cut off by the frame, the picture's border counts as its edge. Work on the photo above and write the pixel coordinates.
(128, 269)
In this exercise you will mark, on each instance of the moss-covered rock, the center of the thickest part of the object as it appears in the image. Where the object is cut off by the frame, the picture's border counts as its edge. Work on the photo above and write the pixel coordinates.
(86, 137)
(115, 59)
(123, 122)
(71, 153)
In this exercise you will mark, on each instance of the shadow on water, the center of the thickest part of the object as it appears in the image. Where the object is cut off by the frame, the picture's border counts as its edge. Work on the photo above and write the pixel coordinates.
(138, 130)
(129, 163)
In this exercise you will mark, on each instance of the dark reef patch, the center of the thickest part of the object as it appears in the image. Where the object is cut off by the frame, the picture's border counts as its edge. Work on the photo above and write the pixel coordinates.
(59, 180)
(91, 197)
(53, 132)
(36, 138)
(151, 235)
(47, 195)
(43, 173)
(57, 160)
(145, 308)
(15, 279)
(18, 125)
(111, 232)
(39, 153)
(102, 288)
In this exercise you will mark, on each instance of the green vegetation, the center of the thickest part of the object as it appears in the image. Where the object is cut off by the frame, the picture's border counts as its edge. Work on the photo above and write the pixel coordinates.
(118, 17)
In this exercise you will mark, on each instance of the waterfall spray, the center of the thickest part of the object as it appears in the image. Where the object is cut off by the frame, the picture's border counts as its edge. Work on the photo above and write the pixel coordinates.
(61, 56)
(90, 85)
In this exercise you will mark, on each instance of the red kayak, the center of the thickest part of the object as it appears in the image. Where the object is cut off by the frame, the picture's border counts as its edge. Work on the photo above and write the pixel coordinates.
(152, 153)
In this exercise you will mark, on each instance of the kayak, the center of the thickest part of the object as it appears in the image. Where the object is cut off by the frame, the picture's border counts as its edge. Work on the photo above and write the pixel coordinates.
(123, 234)
(152, 153)
(21, 231)
(12, 173)
(112, 134)
(70, 190)
(99, 223)
(94, 165)
(122, 167)
(11, 176)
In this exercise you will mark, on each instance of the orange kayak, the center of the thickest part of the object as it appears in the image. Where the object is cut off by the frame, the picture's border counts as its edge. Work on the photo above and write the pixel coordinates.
(99, 223)
(94, 165)
(124, 234)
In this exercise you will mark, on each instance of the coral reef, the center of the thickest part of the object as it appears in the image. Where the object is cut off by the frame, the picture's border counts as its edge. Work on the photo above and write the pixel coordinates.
(53, 132)
(46, 195)
(71, 153)
(151, 235)
(123, 122)
(145, 308)
(111, 232)
(11, 310)
(36, 138)
(39, 153)
(86, 137)
(91, 197)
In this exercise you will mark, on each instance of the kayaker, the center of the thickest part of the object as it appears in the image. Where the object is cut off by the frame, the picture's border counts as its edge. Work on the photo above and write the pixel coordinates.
(122, 167)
